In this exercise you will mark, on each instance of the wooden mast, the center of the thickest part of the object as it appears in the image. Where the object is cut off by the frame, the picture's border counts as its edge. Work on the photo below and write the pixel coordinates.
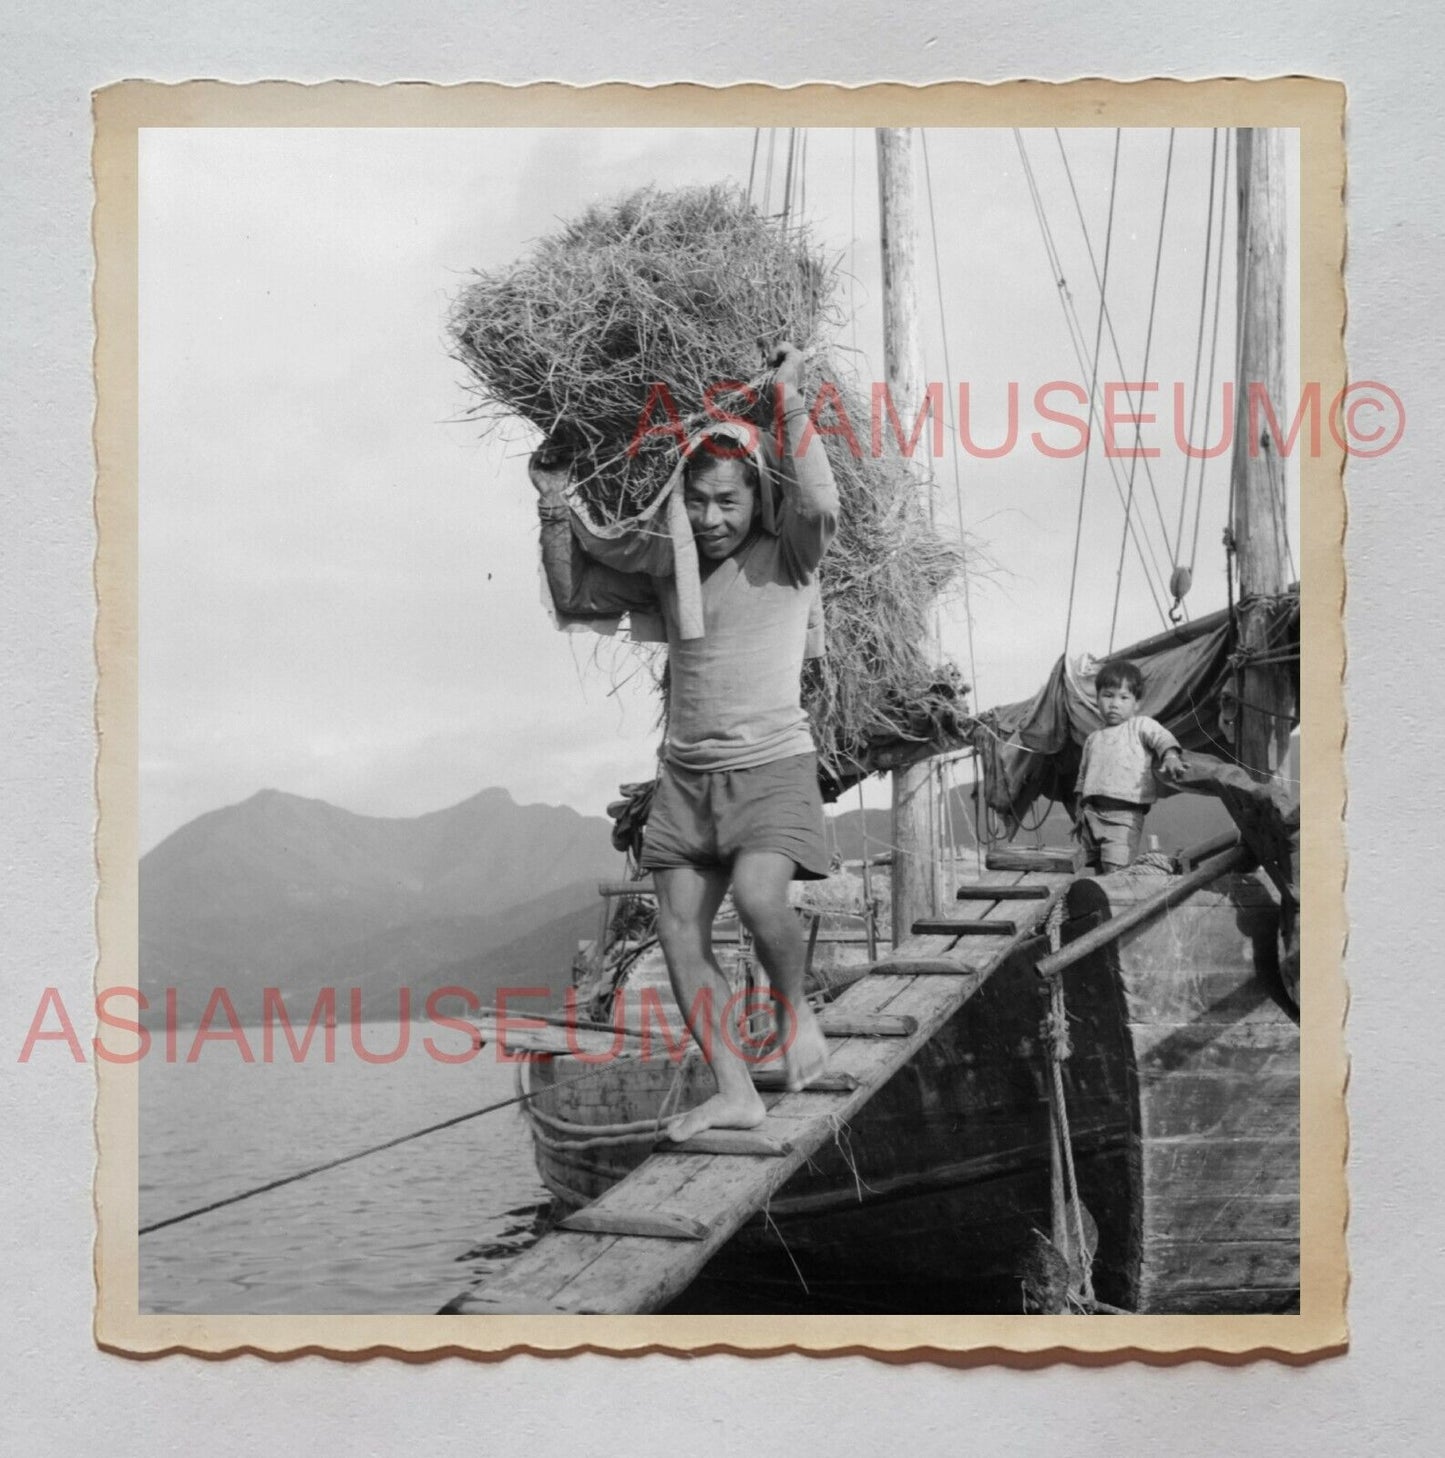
(914, 809)
(1258, 520)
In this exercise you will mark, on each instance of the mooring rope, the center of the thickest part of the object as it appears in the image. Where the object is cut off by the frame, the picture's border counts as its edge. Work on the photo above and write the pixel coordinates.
(316, 1169)
(1057, 1035)
(773, 1225)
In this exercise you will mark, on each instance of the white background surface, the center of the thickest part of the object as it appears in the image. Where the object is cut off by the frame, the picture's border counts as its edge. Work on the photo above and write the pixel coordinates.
(59, 1395)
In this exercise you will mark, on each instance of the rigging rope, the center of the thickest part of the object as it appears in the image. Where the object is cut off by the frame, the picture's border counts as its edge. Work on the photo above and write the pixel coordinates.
(1119, 365)
(936, 862)
(1038, 824)
(945, 775)
(1144, 375)
(1076, 339)
(1113, 337)
(1213, 347)
(1056, 267)
(853, 238)
(1226, 752)
(1093, 381)
(1198, 346)
(870, 924)
(803, 177)
(948, 375)
(788, 175)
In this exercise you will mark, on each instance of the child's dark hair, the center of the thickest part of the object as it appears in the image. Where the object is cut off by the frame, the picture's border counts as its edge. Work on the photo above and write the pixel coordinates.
(1120, 674)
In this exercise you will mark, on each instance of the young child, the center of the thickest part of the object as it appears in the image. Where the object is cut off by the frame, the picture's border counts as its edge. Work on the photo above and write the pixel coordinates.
(1116, 780)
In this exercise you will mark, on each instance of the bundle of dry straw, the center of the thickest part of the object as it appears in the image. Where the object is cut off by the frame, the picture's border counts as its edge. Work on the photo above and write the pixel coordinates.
(680, 289)
(671, 288)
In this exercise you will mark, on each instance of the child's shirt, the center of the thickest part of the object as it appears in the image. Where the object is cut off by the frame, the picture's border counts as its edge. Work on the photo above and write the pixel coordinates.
(1118, 760)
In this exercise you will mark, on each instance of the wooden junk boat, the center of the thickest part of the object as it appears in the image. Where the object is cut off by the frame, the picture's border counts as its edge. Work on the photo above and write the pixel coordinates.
(942, 1168)
(945, 1190)
(1076, 1093)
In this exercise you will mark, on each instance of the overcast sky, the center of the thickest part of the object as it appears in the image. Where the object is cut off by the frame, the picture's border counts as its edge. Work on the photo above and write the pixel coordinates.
(339, 587)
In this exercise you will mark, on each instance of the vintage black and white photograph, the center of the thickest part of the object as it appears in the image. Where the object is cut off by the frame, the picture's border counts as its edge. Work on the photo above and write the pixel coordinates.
(718, 722)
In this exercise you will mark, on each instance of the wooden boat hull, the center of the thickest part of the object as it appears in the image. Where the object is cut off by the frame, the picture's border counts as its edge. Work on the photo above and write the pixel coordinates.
(1182, 1094)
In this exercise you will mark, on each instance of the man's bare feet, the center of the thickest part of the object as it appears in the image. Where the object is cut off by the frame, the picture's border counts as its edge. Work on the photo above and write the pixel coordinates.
(719, 1112)
(805, 1057)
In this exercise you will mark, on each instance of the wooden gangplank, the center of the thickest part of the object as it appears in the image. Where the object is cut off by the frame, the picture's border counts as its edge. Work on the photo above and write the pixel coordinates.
(690, 1204)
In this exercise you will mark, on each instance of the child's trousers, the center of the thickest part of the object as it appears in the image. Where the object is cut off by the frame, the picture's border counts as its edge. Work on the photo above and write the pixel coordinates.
(1110, 831)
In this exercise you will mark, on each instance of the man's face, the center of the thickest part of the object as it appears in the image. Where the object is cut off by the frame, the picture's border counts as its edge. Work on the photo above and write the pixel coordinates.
(721, 501)
(1117, 703)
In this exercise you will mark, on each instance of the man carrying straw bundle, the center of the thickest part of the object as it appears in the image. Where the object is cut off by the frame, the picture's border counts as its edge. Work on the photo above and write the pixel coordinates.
(737, 800)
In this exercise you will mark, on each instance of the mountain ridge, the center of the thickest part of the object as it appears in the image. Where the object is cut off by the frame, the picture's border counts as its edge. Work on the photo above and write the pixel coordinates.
(285, 891)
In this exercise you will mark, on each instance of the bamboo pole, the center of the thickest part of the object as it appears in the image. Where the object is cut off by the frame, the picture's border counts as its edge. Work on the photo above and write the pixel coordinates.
(1170, 895)
(1258, 525)
(915, 831)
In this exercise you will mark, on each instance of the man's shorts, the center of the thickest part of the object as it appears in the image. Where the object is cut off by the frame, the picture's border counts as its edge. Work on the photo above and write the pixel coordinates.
(705, 820)
(1110, 831)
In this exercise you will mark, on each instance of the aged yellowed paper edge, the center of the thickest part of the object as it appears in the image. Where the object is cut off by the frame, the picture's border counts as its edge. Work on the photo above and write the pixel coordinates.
(1317, 109)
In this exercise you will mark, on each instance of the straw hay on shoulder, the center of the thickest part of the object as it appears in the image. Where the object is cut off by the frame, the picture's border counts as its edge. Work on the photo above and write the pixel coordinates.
(673, 288)
(680, 289)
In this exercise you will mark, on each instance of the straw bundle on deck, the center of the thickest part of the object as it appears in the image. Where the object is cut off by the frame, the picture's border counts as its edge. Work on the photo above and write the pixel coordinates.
(679, 289)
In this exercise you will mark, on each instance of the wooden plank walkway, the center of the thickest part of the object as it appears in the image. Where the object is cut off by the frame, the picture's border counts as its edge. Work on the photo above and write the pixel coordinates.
(693, 1203)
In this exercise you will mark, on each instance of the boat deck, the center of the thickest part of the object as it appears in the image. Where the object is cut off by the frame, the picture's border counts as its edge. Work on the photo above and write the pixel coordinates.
(643, 1242)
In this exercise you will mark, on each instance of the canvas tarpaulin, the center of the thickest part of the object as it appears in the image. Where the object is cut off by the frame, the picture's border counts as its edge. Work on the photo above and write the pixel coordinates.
(1030, 750)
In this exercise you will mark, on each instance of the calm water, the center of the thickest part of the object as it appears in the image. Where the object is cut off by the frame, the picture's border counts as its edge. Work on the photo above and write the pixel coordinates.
(400, 1231)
